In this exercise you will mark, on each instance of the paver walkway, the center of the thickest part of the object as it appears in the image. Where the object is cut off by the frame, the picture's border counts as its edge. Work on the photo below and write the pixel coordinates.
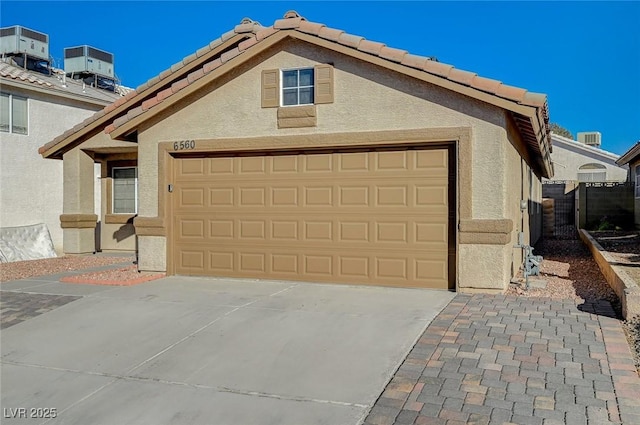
(16, 307)
(506, 360)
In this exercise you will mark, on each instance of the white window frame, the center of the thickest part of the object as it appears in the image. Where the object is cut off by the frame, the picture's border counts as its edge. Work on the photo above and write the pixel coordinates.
(10, 130)
(113, 190)
(312, 86)
(592, 170)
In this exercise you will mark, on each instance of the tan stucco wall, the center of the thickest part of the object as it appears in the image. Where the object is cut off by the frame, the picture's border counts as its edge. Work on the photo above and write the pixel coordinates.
(366, 99)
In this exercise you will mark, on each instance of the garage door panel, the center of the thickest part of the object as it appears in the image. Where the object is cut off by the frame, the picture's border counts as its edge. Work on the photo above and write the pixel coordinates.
(378, 218)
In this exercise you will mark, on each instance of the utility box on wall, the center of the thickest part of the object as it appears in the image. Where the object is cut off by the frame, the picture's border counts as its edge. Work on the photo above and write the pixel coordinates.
(88, 60)
(20, 40)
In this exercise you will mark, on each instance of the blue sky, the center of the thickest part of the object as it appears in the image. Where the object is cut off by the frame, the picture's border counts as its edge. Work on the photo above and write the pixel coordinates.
(584, 55)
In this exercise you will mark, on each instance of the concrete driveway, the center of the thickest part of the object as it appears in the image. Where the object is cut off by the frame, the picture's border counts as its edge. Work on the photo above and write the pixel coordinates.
(209, 351)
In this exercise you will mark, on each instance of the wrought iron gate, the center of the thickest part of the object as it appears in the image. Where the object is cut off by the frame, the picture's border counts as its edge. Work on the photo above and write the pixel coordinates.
(563, 194)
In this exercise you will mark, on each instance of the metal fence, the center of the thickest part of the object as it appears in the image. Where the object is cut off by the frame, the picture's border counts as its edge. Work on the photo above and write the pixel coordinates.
(563, 220)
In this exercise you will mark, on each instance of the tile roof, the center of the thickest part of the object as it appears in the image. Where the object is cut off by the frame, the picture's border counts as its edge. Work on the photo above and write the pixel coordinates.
(631, 155)
(56, 84)
(254, 33)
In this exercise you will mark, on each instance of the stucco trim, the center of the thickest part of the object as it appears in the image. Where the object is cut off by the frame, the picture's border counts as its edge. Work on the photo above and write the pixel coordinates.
(118, 218)
(150, 226)
(297, 116)
(485, 231)
(461, 136)
(78, 221)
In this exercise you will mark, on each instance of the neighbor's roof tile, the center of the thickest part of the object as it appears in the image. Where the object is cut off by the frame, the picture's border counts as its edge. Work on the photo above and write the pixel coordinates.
(210, 66)
(203, 51)
(164, 94)
(195, 75)
(511, 92)
(229, 54)
(437, 68)
(310, 27)
(414, 61)
(150, 103)
(486, 84)
(462, 77)
(179, 85)
(245, 44)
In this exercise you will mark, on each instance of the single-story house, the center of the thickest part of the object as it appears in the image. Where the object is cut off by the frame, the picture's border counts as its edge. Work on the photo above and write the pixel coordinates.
(302, 152)
(576, 161)
(632, 159)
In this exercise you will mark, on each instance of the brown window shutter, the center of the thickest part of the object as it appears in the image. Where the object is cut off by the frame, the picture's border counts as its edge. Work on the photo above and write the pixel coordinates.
(323, 83)
(270, 88)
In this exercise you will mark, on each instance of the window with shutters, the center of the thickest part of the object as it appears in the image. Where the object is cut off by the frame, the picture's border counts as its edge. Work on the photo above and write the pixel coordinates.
(14, 117)
(297, 87)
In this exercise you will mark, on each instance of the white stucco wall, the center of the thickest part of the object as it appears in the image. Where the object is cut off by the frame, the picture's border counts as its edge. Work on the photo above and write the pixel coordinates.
(569, 155)
(30, 186)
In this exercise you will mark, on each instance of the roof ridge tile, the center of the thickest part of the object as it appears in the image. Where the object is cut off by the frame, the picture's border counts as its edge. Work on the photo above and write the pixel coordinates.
(330, 33)
(265, 32)
(437, 68)
(372, 47)
(312, 28)
(392, 54)
(511, 92)
(230, 54)
(414, 61)
(245, 44)
(350, 40)
(461, 76)
(486, 84)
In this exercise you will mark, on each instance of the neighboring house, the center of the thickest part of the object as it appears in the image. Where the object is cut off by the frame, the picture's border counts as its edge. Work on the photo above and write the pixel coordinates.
(302, 152)
(632, 159)
(577, 161)
(34, 108)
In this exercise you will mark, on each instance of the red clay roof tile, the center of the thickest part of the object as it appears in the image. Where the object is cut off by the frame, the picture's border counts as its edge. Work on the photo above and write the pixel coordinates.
(330, 33)
(511, 92)
(392, 54)
(245, 44)
(287, 23)
(215, 43)
(486, 84)
(210, 66)
(150, 103)
(462, 77)
(187, 60)
(164, 94)
(176, 66)
(203, 51)
(265, 32)
(414, 61)
(534, 99)
(228, 35)
(120, 121)
(291, 14)
(195, 75)
(246, 25)
(437, 68)
(310, 27)
(229, 54)
(110, 107)
(134, 112)
(108, 129)
(142, 87)
(179, 85)
(164, 74)
(372, 47)
(350, 40)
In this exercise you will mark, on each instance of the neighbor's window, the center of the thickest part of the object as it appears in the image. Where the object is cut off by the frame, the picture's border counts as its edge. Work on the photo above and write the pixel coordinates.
(592, 173)
(637, 181)
(125, 190)
(297, 87)
(13, 114)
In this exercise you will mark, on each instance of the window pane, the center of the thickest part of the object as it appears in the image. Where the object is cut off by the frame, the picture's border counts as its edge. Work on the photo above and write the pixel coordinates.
(19, 115)
(290, 78)
(4, 112)
(306, 96)
(290, 97)
(306, 77)
(124, 190)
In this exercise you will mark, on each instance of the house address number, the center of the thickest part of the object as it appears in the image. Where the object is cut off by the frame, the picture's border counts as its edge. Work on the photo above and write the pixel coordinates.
(184, 145)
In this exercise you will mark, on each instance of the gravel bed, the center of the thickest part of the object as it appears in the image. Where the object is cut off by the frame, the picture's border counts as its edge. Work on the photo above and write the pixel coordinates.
(32, 268)
(124, 276)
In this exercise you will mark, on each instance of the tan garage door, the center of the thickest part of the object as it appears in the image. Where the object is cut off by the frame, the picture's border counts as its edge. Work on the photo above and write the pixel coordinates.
(372, 217)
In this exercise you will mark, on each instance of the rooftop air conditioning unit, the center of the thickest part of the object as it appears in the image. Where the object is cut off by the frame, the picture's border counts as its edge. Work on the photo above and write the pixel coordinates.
(88, 60)
(591, 138)
(20, 40)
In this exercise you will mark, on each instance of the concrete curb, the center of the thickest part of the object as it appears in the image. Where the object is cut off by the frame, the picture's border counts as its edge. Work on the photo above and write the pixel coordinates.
(625, 287)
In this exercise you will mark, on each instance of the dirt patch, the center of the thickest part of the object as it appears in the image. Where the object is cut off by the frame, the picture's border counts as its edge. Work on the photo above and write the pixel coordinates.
(33, 268)
(125, 276)
(624, 247)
